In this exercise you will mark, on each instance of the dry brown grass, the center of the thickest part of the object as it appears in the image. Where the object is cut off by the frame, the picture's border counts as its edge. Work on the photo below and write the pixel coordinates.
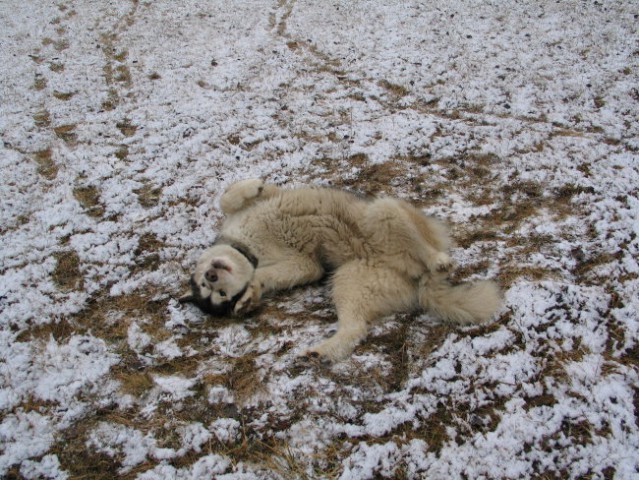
(89, 198)
(67, 133)
(42, 118)
(67, 273)
(148, 196)
(126, 127)
(46, 166)
(394, 89)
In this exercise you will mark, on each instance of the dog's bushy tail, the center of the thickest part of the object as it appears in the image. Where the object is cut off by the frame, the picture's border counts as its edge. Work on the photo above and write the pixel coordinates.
(466, 303)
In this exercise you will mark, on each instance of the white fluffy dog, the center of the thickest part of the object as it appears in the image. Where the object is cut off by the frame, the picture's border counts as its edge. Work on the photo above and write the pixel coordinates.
(384, 255)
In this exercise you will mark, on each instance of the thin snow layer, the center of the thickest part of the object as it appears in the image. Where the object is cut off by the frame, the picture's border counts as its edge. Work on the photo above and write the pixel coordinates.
(122, 123)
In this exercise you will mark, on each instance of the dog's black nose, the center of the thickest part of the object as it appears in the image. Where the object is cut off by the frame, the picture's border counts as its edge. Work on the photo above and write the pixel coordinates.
(211, 275)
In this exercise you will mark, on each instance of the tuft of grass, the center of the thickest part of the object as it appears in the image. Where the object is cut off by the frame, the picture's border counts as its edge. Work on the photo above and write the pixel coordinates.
(433, 429)
(395, 345)
(243, 379)
(46, 166)
(279, 458)
(122, 152)
(89, 198)
(148, 196)
(67, 273)
(66, 133)
(122, 75)
(379, 178)
(80, 460)
(56, 67)
(135, 383)
(59, 330)
(61, 45)
(111, 101)
(511, 273)
(42, 118)
(40, 82)
(64, 96)
(394, 89)
(126, 127)
(147, 256)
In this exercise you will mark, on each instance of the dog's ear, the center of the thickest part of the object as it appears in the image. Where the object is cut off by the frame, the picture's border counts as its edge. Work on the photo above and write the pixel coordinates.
(188, 297)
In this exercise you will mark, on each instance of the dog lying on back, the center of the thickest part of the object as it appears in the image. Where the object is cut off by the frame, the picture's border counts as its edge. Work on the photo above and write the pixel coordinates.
(384, 255)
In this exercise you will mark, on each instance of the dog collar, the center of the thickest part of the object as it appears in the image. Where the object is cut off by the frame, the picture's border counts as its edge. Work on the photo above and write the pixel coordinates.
(240, 247)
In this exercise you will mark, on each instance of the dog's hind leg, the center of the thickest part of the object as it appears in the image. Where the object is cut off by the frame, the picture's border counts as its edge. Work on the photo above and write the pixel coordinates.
(361, 294)
(431, 237)
(244, 193)
(400, 230)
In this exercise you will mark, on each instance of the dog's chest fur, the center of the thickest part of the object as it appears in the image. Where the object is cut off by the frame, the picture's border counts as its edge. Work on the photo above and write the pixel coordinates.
(313, 222)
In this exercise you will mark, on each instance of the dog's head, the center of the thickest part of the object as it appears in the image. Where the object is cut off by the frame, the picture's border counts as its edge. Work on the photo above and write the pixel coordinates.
(220, 279)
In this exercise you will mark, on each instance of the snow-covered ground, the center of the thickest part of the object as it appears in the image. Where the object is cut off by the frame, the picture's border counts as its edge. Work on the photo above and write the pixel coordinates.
(121, 123)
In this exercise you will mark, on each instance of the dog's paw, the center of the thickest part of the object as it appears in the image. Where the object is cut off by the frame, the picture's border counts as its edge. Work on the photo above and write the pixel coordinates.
(245, 190)
(250, 188)
(442, 262)
(249, 301)
(331, 350)
(312, 358)
(240, 193)
(309, 359)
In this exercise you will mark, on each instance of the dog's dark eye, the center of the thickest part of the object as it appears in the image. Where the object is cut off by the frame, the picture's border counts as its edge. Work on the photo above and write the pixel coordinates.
(222, 293)
(203, 285)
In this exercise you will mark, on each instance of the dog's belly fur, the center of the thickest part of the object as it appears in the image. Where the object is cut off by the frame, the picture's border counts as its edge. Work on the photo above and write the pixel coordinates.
(322, 224)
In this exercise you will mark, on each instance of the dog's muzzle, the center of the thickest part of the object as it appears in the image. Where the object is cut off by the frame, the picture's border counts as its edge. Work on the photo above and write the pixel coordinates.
(211, 275)
(204, 303)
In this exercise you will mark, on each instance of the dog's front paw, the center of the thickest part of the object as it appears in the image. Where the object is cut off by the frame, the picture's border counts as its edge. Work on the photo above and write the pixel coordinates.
(249, 301)
(240, 194)
(248, 189)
